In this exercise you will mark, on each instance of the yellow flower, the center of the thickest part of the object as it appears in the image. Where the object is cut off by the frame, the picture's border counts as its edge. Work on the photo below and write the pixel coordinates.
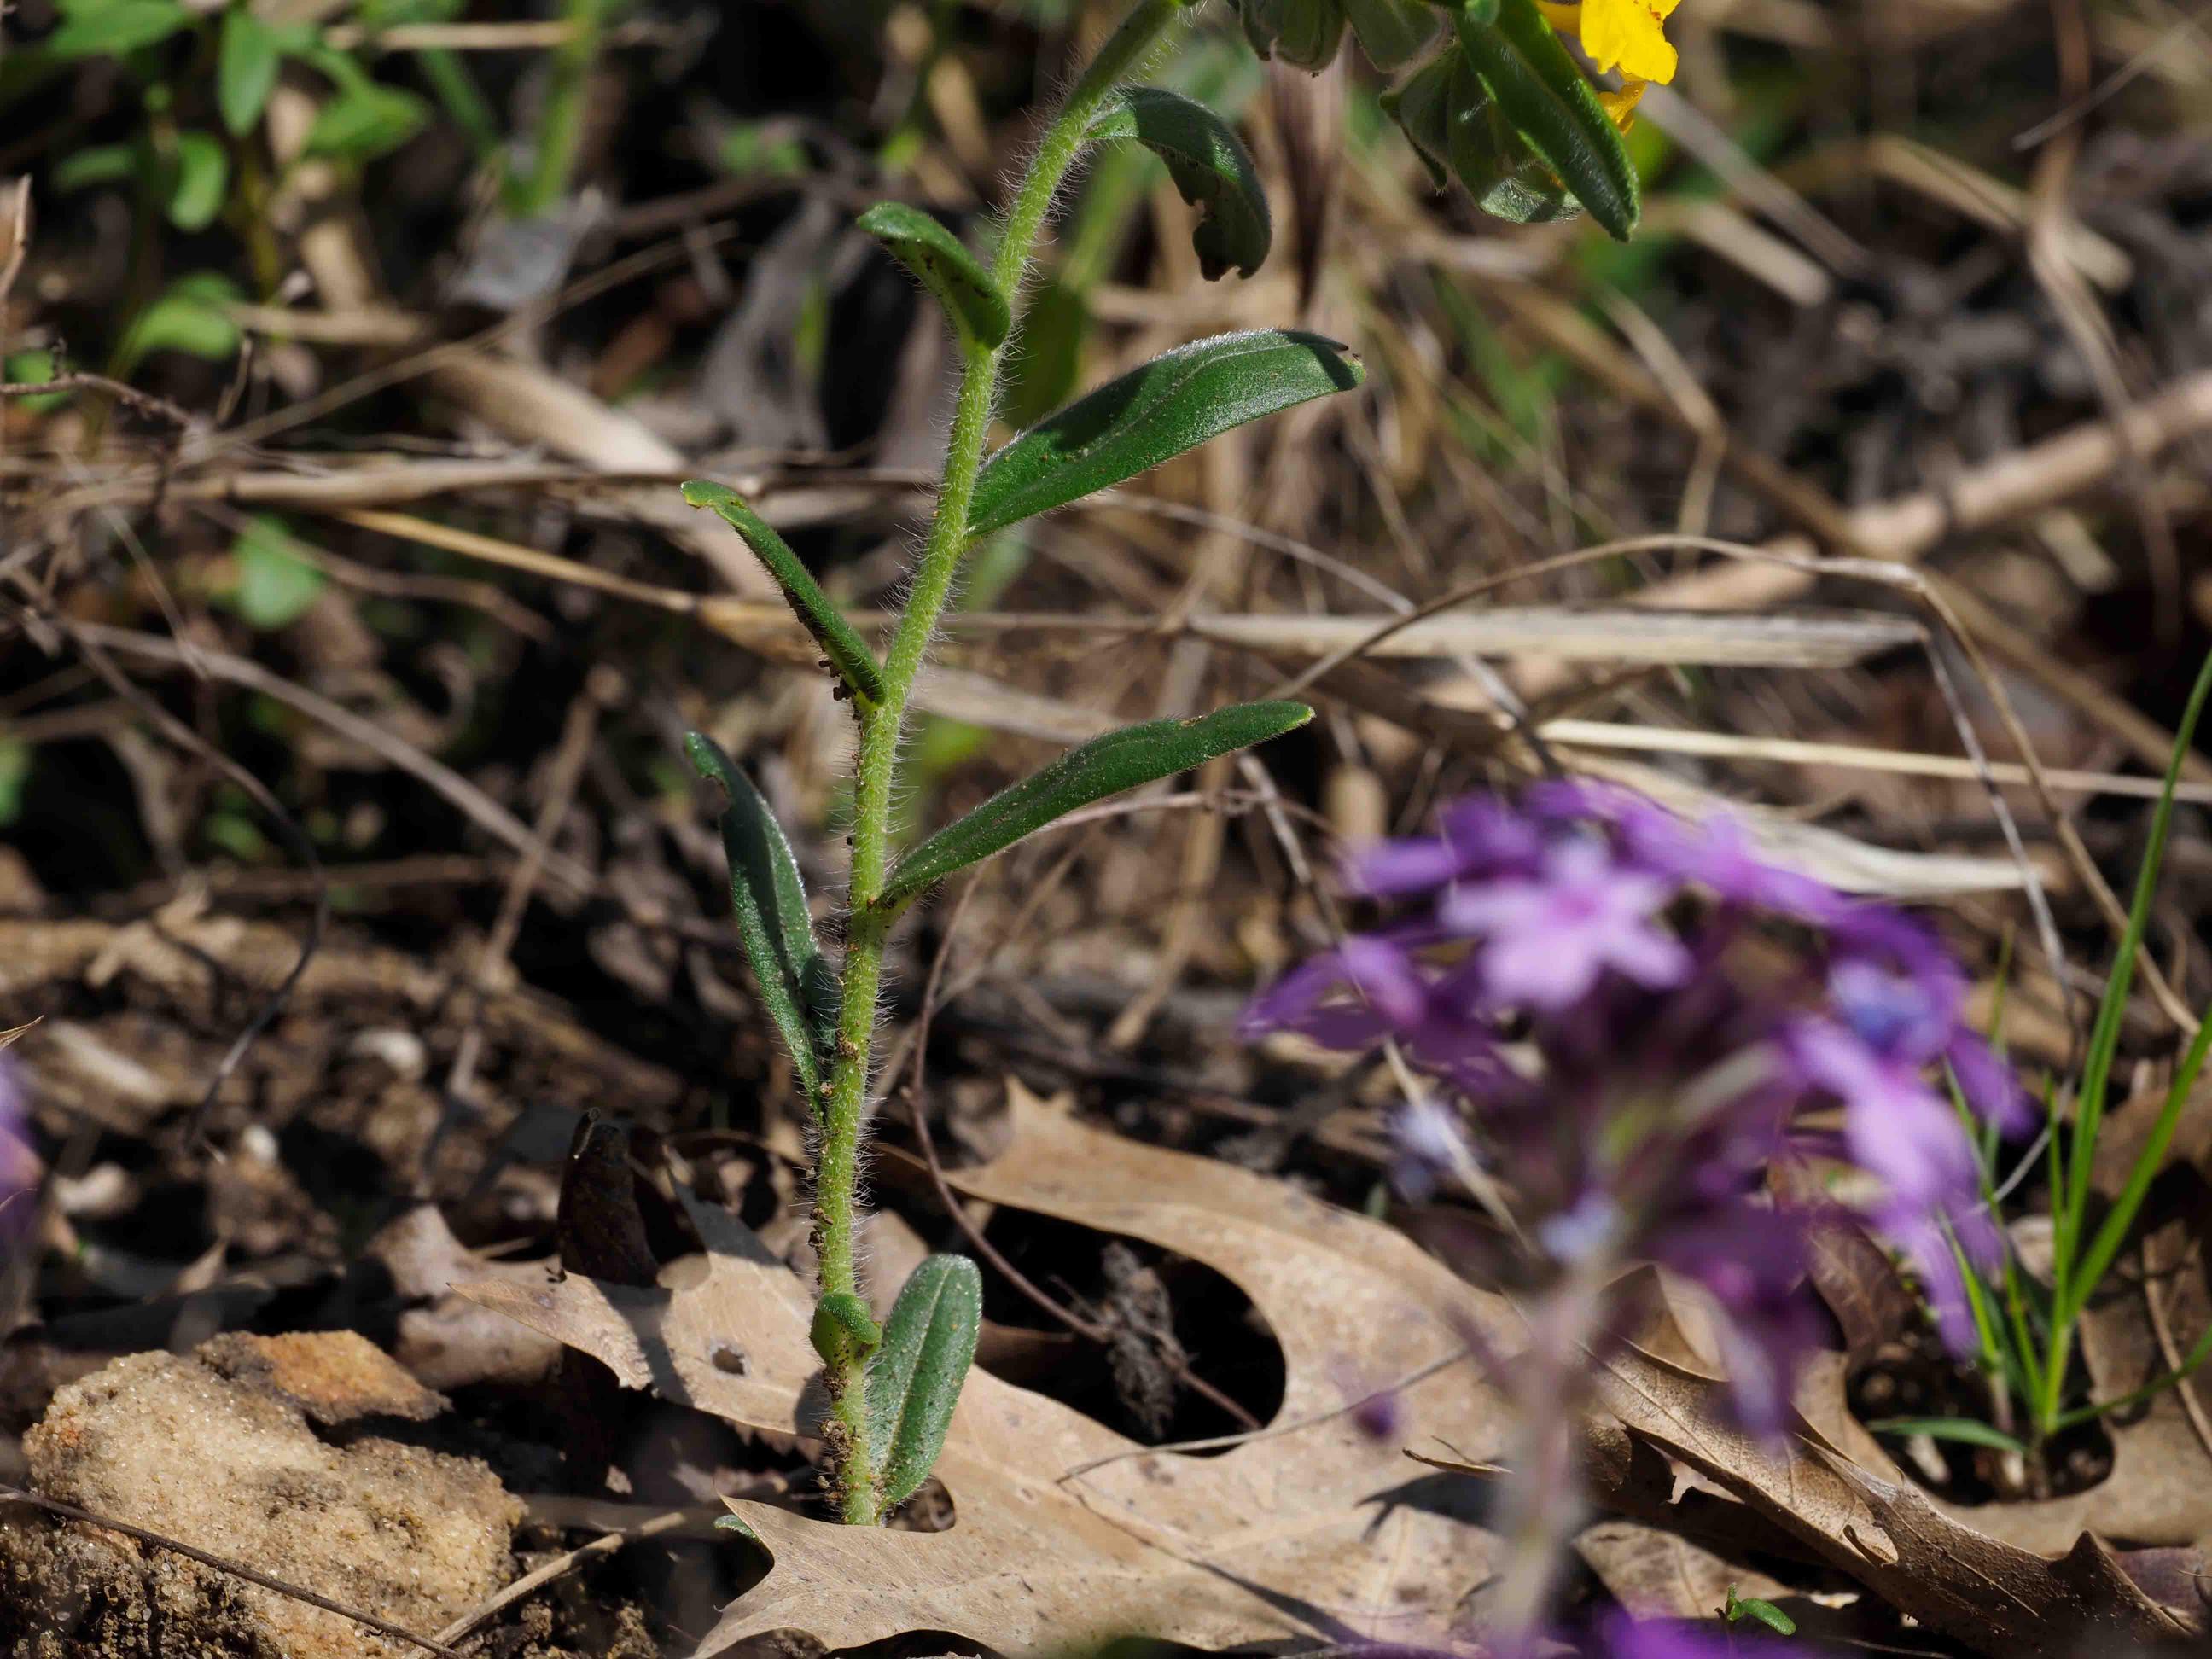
(1621, 105)
(1622, 35)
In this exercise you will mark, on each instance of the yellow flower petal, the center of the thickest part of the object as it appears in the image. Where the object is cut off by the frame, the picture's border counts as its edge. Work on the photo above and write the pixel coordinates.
(1626, 35)
(1621, 105)
(1565, 18)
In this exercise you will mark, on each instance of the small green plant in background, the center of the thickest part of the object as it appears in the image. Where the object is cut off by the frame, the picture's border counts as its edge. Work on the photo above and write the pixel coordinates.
(1737, 1609)
(199, 160)
(893, 1389)
(2027, 1328)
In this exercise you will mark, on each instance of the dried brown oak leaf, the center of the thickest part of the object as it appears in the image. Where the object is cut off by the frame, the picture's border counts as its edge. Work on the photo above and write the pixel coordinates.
(1994, 1596)
(1319, 1532)
(1312, 1531)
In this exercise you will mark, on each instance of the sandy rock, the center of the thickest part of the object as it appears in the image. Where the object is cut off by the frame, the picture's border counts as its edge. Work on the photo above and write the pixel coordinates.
(216, 1451)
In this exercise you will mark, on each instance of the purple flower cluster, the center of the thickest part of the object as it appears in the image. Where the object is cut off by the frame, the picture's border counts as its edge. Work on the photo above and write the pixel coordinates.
(1644, 1016)
(19, 1165)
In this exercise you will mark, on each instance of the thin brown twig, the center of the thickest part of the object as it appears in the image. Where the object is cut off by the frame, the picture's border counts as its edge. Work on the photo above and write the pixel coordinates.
(237, 1570)
(145, 402)
(2161, 1326)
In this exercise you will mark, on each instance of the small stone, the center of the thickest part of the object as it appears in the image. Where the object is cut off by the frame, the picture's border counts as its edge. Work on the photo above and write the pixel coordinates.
(214, 1449)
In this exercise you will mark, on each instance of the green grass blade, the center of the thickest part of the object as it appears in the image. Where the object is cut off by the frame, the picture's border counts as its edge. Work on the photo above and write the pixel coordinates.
(2104, 1036)
(1964, 1430)
(2097, 1259)
(769, 899)
(2195, 1358)
(1152, 414)
(1209, 166)
(1089, 772)
(848, 652)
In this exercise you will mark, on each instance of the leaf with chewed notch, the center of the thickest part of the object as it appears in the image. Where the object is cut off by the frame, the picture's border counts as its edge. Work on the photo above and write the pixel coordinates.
(1088, 772)
(938, 260)
(1152, 414)
(768, 899)
(913, 1381)
(848, 652)
(1209, 166)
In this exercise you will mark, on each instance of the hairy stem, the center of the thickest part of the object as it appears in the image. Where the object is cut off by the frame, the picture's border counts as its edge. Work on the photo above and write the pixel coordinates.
(845, 1109)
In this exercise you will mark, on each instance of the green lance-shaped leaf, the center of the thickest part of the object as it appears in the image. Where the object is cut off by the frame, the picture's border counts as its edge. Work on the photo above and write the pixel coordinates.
(940, 261)
(246, 63)
(1088, 772)
(843, 1329)
(202, 175)
(1740, 1608)
(1304, 34)
(768, 899)
(1507, 179)
(1210, 167)
(1152, 414)
(1539, 89)
(913, 1382)
(1422, 107)
(848, 652)
(1392, 32)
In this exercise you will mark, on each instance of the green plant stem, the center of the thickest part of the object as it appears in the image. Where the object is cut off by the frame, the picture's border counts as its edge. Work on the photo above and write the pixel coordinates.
(845, 1109)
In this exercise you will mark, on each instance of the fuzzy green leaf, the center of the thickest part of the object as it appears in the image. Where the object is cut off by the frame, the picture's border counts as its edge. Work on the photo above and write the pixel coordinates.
(768, 899)
(937, 260)
(1153, 414)
(915, 1380)
(1392, 32)
(848, 652)
(1209, 166)
(1088, 772)
(245, 69)
(843, 1329)
(1303, 33)
(1538, 87)
(1751, 1607)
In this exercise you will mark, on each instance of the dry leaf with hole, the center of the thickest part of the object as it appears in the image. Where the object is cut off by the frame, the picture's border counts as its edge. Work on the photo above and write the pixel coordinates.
(1995, 1596)
(2159, 1492)
(1067, 1534)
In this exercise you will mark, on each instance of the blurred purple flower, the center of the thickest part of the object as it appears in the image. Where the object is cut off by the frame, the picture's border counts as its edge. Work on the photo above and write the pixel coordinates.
(1656, 1066)
(1426, 1145)
(19, 1169)
(1624, 1637)
(1549, 939)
